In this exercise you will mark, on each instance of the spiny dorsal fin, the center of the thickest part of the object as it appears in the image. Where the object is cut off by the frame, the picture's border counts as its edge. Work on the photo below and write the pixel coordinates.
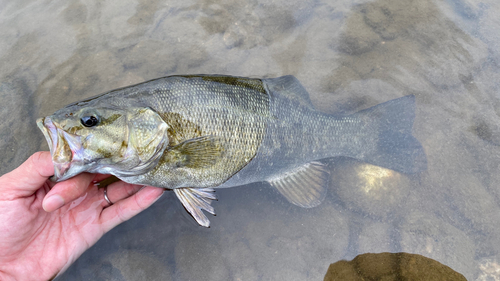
(198, 152)
(290, 87)
(304, 186)
(195, 200)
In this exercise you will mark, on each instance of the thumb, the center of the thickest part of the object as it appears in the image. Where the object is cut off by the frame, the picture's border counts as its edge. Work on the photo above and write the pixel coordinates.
(30, 176)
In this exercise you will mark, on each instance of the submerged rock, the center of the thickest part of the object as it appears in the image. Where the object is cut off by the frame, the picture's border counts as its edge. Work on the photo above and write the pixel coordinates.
(372, 190)
(391, 266)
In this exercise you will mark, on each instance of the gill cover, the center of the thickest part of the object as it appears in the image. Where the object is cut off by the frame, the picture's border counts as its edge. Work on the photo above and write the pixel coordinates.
(147, 139)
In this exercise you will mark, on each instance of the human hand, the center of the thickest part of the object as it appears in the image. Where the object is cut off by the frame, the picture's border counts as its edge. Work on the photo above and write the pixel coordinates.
(44, 227)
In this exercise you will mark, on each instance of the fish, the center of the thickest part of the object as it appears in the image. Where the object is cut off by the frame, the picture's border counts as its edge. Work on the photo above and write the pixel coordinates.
(195, 133)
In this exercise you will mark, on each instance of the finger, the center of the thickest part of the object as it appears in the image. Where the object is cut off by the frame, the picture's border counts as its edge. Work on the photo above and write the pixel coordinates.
(30, 176)
(118, 191)
(100, 177)
(127, 208)
(66, 191)
(106, 181)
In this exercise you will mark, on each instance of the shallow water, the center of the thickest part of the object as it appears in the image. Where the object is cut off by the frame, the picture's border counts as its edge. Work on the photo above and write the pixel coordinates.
(349, 55)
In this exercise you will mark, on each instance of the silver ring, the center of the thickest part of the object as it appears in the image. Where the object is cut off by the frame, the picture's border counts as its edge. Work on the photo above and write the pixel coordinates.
(106, 196)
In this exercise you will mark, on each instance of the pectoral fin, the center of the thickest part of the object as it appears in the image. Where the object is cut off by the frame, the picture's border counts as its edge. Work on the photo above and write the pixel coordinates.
(195, 200)
(198, 152)
(304, 186)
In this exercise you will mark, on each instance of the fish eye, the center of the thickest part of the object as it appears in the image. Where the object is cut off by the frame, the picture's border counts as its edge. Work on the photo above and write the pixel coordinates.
(89, 121)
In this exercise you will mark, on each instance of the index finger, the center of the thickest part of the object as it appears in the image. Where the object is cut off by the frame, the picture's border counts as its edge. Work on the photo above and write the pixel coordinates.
(29, 176)
(127, 208)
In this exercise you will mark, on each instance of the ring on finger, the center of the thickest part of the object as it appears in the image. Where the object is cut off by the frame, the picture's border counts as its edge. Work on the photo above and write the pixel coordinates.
(106, 196)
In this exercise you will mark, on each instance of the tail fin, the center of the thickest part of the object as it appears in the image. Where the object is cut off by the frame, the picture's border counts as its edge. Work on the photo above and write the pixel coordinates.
(396, 149)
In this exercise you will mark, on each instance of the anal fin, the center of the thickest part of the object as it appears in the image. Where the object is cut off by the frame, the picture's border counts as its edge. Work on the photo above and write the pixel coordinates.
(304, 186)
(195, 200)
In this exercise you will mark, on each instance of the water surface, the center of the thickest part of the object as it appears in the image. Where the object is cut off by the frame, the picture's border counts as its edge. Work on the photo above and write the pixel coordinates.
(349, 55)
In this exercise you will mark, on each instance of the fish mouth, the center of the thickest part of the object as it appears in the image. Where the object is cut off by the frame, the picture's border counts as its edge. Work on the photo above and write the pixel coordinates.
(65, 148)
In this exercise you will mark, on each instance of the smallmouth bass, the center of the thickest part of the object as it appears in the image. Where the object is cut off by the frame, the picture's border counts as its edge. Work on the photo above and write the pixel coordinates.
(195, 133)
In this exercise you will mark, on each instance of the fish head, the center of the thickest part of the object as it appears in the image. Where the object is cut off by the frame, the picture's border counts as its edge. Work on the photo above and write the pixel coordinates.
(104, 139)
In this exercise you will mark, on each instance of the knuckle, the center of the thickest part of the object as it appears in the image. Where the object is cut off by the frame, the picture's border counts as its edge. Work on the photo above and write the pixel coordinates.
(121, 213)
(72, 185)
(130, 190)
(35, 158)
(34, 162)
(138, 203)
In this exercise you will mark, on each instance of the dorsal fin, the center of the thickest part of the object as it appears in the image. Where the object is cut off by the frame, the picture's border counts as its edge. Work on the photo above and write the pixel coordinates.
(290, 87)
(304, 186)
(195, 200)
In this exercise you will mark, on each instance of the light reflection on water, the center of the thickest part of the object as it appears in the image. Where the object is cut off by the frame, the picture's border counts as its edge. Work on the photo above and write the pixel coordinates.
(349, 56)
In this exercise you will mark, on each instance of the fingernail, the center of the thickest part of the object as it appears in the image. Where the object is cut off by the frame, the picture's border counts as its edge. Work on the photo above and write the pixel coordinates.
(53, 203)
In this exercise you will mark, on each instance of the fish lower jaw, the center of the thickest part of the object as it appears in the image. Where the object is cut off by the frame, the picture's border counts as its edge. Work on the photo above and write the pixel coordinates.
(65, 148)
(64, 171)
